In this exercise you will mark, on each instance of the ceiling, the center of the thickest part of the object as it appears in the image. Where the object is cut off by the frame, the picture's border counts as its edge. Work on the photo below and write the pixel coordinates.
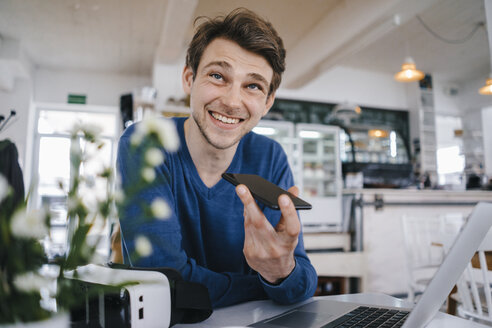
(450, 19)
(127, 37)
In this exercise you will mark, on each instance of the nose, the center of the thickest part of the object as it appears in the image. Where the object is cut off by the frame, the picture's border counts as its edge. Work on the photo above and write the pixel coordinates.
(232, 97)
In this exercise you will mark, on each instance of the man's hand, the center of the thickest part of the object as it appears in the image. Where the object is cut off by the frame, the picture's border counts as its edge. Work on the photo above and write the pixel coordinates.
(268, 250)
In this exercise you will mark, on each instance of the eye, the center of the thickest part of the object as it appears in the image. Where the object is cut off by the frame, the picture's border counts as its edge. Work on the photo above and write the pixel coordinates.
(216, 76)
(254, 86)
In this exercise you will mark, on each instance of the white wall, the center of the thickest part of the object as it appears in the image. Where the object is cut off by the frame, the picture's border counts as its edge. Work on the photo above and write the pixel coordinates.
(53, 86)
(18, 99)
(365, 88)
(470, 99)
(487, 139)
(445, 103)
(103, 89)
(445, 127)
(167, 81)
(475, 125)
(337, 85)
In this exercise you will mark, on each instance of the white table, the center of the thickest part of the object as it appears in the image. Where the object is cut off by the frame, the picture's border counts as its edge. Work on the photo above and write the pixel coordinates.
(247, 313)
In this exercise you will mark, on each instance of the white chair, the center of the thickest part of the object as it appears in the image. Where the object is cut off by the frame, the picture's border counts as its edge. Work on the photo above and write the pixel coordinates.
(474, 291)
(423, 241)
(422, 257)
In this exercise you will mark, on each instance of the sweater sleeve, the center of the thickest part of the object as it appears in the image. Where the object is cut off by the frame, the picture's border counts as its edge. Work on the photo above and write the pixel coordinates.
(299, 285)
(225, 288)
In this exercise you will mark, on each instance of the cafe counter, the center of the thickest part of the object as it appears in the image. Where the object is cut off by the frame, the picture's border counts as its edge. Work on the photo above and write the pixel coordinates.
(377, 229)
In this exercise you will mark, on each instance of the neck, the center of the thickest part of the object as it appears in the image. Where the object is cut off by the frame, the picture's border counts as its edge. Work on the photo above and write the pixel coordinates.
(209, 161)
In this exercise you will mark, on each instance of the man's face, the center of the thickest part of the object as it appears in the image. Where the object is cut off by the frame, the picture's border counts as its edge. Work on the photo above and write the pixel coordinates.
(229, 94)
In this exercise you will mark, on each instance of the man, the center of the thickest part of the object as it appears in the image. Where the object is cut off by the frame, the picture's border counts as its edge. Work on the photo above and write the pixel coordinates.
(216, 236)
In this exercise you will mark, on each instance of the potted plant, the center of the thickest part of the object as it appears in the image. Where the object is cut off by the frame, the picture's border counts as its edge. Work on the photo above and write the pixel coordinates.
(28, 291)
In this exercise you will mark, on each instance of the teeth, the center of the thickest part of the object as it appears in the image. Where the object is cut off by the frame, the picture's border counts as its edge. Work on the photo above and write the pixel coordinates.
(225, 119)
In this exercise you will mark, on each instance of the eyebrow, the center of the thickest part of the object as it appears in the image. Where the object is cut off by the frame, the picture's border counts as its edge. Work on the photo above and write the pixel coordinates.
(222, 64)
(259, 78)
(227, 66)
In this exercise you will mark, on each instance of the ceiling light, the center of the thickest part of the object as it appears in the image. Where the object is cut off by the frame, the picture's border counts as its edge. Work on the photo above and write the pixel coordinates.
(309, 134)
(487, 88)
(377, 133)
(266, 131)
(343, 113)
(409, 73)
(347, 107)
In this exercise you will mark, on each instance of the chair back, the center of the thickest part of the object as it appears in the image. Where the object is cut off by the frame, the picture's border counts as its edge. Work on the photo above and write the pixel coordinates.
(474, 285)
(424, 240)
(418, 234)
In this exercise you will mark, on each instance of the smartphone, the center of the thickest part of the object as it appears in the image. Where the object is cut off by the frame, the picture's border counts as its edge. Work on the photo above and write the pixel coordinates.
(264, 191)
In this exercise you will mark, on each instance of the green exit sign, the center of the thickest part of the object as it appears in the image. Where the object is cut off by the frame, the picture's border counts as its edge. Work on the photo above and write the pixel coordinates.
(77, 99)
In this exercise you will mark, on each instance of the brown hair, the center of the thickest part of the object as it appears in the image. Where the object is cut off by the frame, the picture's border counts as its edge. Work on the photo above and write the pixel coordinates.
(249, 31)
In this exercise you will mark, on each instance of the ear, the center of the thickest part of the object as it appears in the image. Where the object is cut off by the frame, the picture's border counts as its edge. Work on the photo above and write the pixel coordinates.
(269, 103)
(187, 79)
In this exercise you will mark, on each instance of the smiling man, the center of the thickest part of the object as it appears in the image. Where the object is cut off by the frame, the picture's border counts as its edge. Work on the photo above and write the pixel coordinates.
(218, 236)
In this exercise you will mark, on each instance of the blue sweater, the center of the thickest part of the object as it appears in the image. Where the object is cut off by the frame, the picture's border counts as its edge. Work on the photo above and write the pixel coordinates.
(204, 237)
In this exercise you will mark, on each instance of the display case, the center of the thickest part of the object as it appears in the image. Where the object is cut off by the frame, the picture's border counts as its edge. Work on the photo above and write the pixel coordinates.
(314, 155)
(319, 176)
(283, 133)
(374, 145)
(380, 154)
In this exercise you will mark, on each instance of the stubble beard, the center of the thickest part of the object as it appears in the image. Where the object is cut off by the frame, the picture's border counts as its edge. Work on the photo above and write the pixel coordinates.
(207, 137)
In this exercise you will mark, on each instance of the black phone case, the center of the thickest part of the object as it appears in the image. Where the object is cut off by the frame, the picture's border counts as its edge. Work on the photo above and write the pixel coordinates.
(264, 191)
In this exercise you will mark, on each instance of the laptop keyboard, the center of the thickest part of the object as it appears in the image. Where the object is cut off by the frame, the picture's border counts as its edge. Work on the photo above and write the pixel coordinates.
(370, 317)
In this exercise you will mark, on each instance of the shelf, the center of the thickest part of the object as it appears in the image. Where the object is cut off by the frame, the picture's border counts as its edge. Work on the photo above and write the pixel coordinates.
(427, 109)
(426, 91)
(382, 151)
(474, 153)
(167, 109)
(428, 128)
(317, 158)
(319, 179)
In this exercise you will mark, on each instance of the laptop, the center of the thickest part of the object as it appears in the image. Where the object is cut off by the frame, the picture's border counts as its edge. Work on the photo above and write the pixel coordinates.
(328, 313)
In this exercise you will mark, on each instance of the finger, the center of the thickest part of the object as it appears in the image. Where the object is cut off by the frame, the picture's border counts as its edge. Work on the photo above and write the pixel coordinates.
(294, 191)
(289, 224)
(252, 213)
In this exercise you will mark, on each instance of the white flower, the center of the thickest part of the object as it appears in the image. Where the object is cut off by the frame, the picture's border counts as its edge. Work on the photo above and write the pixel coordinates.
(76, 127)
(73, 203)
(94, 130)
(148, 174)
(165, 129)
(119, 196)
(160, 209)
(4, 188)
(136, 138)
(168, 135)
(90, 181)
(29, 225)
(154, 157)
(143, 246)
(149, 125)
(31, 282)
(90, 129)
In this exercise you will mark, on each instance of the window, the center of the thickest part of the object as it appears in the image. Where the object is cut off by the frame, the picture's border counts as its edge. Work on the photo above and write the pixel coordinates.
(51, 167)
(450, 158)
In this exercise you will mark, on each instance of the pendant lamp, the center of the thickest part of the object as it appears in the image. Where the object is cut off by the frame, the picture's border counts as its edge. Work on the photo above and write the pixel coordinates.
(487, 88)
(409, 73)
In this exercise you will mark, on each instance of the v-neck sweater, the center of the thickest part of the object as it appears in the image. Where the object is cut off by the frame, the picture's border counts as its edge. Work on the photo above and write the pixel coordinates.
(204, 236)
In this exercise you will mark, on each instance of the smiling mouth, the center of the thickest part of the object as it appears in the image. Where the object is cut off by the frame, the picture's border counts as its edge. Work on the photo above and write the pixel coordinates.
(225, 119)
